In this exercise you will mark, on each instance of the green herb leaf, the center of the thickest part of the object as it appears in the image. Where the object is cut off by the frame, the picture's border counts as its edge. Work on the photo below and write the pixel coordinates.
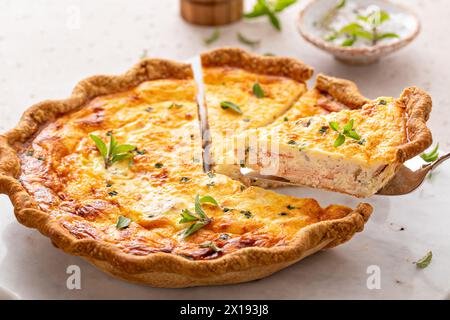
(159, 165)
(113, 152)
(348, 42)
(175, 105)
(187, 216)
(211, 245)
(184, 179)
(258, 91)
(118, 157)
(101, 146)
(431, 156)
(334, 125)
(351, 28)
(259, 9)
(352, 134)
(349, 125)
(193, 228)
(339, 140)
(246, 213)
(323, 130)
(243, 39)
(425, 261)
(291, 207)
(274, 20)
(124, 148)
(280, 5)
(208, 199)
(213, 37)
(341, 4)
(231, 106)
(123, 222)
(387, 36)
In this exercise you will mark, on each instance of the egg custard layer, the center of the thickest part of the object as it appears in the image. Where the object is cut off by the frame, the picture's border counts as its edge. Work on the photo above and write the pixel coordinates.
(126, 169)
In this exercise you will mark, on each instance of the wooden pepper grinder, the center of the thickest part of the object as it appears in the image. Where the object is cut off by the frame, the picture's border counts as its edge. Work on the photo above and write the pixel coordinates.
(211, 12)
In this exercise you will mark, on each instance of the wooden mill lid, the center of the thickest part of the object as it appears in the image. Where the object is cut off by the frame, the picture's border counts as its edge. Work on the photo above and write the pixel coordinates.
(211, 12)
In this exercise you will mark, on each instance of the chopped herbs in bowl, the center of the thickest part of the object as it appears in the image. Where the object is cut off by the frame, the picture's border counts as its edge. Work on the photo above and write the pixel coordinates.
(358, 31)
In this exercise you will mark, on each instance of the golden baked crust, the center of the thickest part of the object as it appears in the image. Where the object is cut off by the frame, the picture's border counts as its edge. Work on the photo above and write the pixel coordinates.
(268, 65)
(329, 227)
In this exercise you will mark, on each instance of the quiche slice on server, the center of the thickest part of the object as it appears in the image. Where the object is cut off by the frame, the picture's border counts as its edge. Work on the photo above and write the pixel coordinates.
(114, 174)
(350, 151)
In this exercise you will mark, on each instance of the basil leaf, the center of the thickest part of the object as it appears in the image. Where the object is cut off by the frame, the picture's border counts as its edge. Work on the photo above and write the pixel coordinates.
(348, 42)
(334, 125)
(208, 199)
(387, 36)
(274, 20)
(187, 216)
(112, 145)
(230, 105)
(351, 28)
(280, 5)
(431, 156)
(349, 125)
(258, 91)
(339, 140)
(123, 222)
(247, 41)
(121, 156)
(211, 245)
(194, 228)
(425, 261)
(213, 37)
(101, 146)
(124, 148)
(259, 9)
(341, 4)
(352, 134)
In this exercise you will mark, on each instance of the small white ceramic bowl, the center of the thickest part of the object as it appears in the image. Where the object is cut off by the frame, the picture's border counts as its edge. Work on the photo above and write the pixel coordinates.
(316, 9)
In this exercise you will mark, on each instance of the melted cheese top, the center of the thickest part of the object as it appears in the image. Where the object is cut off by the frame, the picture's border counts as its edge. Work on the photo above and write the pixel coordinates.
(312, 103)
(381, 127)
(64, 172)
(236, 85)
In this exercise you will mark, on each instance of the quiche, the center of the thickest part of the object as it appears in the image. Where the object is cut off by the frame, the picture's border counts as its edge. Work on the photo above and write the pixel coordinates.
(114, 174)
(353, 151)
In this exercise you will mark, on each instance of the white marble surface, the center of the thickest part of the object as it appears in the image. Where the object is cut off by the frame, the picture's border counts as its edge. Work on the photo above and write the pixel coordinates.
(43, 54)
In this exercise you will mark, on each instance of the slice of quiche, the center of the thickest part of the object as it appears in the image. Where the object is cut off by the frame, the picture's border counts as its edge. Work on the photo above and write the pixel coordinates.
(245, 91)
(351, 151)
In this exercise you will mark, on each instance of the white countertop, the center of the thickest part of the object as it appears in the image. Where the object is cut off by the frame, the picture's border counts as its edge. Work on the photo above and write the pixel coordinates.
(44, 53)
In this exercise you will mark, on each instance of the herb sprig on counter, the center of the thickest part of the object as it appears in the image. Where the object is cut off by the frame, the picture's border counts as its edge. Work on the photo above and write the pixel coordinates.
(212, 38)
(249, 42)
(348, 131)
(113, 152)
(199, 218)
(425, 261)
(269, 9)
